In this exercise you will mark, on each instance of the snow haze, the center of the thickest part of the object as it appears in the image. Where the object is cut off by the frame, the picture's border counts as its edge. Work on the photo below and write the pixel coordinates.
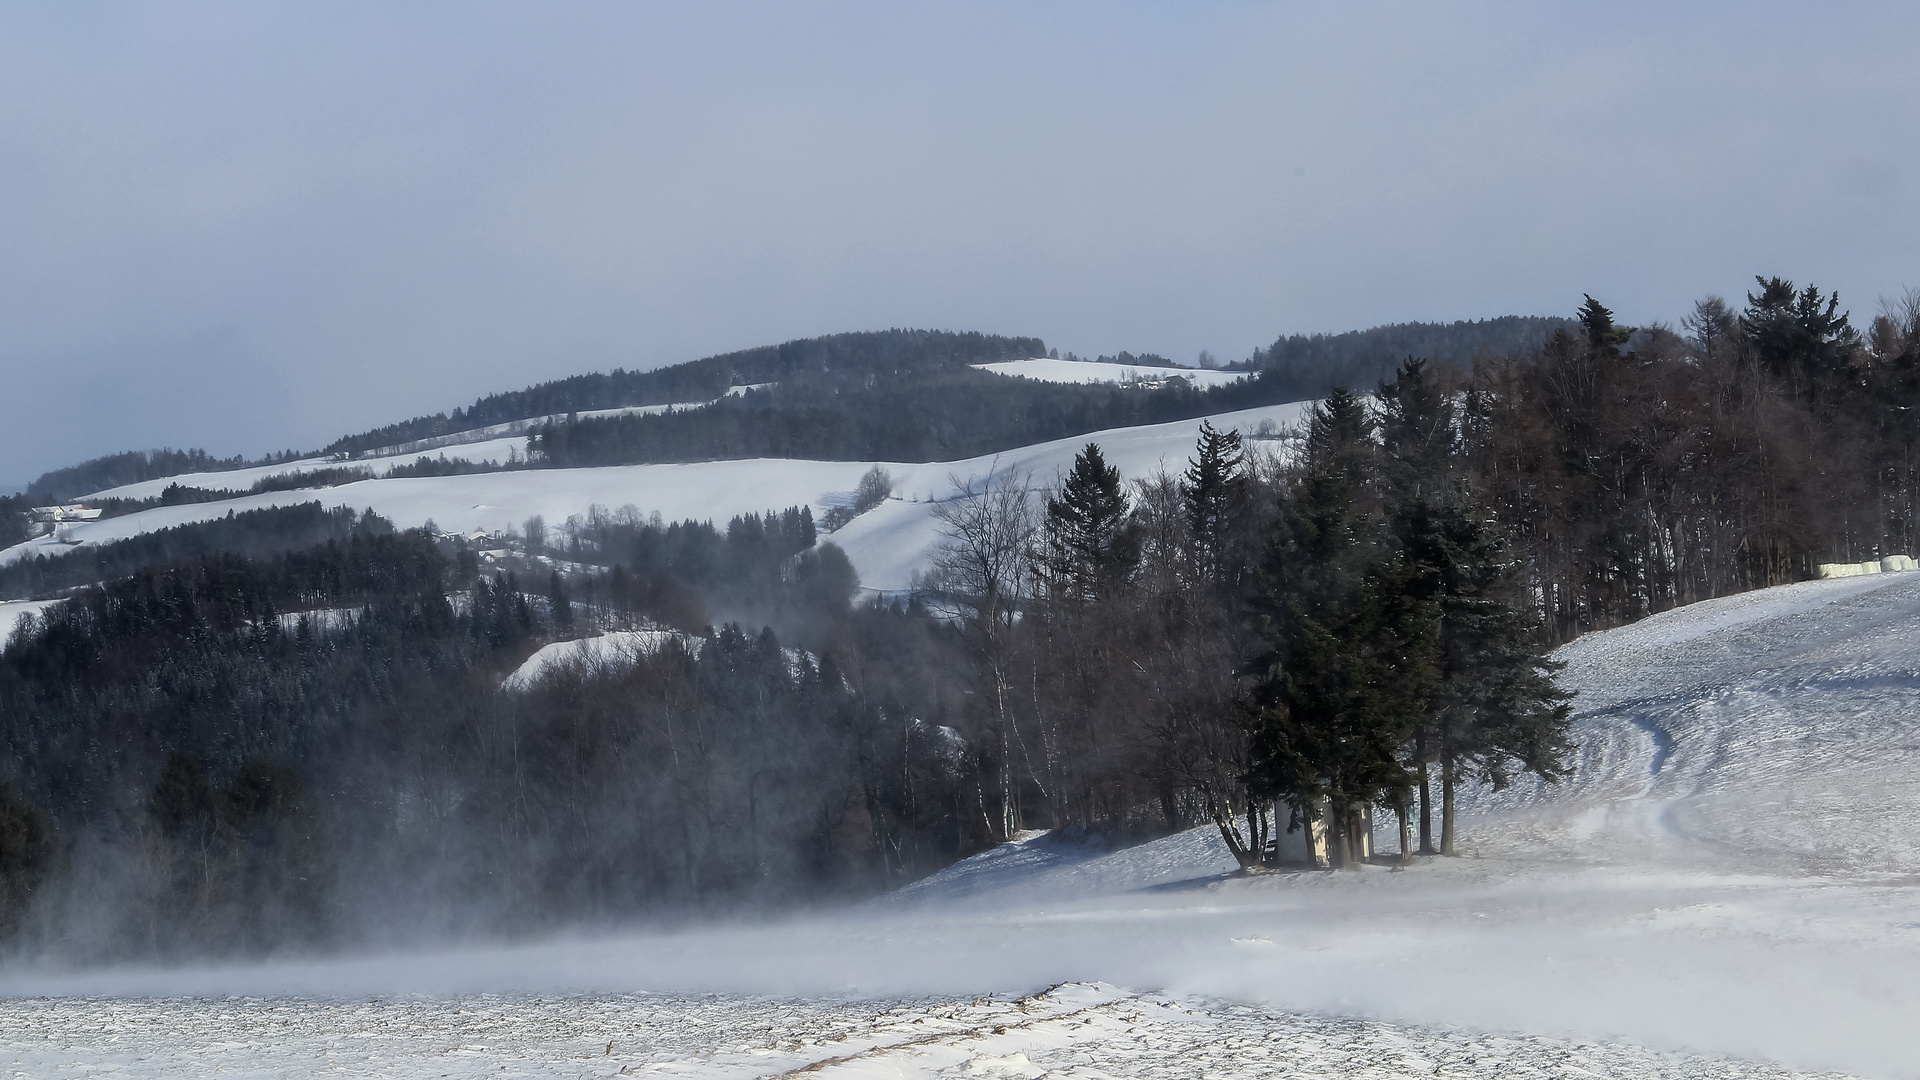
(1729, 874)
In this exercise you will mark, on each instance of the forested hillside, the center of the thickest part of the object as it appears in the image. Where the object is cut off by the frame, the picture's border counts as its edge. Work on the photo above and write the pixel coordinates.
(1308, 365)
(840, 360)
(130, 468)
(843, 396)
(212, 751)
(253, 533)
(934, 416)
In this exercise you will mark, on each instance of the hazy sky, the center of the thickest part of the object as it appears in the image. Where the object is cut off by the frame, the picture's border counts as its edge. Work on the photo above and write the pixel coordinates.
(256, 226)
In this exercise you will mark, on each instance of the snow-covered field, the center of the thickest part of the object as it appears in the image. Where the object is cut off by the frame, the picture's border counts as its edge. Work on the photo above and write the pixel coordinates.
(1042, 369)
(495, 443)
(620, 649)
(1731, 887)
(886, 545)
(12, 611)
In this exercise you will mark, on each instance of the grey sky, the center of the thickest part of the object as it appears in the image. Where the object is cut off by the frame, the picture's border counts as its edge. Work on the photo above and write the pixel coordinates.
(255, 226)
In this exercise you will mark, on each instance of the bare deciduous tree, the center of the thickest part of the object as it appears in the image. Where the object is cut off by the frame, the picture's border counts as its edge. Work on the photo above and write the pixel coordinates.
(983, 572)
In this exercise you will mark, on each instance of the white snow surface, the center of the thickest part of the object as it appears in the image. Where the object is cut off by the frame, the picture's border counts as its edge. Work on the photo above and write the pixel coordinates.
(887, 545)
(13, 611)
(614, 649)
(493, 443)
(1083, 372)
(1729, 887)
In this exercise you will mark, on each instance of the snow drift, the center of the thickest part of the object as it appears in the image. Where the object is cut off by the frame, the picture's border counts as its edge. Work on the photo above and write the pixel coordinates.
(1731, 873)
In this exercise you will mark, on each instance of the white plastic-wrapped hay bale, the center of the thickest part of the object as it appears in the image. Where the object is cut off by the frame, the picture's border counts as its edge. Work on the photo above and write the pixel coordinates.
(1889, 565)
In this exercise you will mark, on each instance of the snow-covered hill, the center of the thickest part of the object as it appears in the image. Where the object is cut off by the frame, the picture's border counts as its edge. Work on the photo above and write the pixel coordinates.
(1732, 873)
(887, 545)
(619, 649)
(1085, 372)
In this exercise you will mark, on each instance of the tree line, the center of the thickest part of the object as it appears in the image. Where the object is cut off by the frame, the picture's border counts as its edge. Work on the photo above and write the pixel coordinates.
(1272, 645)
(1360, 623)
(251, 533)
(842, 356)
(1634, 470)
(223, 753)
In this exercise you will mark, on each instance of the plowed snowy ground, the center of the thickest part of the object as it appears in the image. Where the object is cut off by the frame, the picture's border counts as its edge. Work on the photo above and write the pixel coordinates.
(1078, 1030)
(1727, 888)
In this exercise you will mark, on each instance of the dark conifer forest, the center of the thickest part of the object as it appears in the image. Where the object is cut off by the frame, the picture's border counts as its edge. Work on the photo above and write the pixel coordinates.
(296, 731)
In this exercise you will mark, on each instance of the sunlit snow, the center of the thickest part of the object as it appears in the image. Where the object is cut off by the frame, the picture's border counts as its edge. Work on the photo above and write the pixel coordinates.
(615, 650)
(1085, 372)
(1731, 875)
(886, 545)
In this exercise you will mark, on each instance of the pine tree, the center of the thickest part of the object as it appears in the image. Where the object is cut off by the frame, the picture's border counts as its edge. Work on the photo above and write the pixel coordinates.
(557, 602)
(1417, 432)
(1417, 435)
(1214, 490)
(1089, 549)
(1347, 666)
(1495, 706)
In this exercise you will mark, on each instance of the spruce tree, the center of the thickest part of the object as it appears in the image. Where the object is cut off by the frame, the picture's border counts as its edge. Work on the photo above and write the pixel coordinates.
(1496, 708)
(1214, 491)
(1089, 550)
(558, 605)
(1417, 425)
(1346, 670)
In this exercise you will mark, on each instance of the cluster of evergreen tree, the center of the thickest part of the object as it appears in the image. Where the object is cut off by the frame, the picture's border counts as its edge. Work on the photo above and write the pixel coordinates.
(132, 467)
(1308, 365)
(842, 359)
(253, 533)
(920, 416)
(1306, 634)
(14, 524)
(1393, 630)
(220, 752)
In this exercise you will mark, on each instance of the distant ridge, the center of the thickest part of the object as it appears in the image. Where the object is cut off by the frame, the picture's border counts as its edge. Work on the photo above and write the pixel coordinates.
(1295, 367)
(883, 352)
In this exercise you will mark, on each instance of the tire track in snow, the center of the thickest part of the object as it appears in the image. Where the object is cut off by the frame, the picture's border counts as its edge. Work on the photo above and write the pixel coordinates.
(924, 1048)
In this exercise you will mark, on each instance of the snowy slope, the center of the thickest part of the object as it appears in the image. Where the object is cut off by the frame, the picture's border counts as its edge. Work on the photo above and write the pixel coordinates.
(1732, 874)
(618, 649)
(886, 545)
(1083, 372)
(13, 611)
(1079, 1030)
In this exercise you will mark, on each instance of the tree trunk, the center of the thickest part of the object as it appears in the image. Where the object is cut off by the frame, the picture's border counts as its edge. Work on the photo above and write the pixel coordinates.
(1339, 835)
(1406, 833)
(1446, 801)
(1223, 820)
(1426, 803)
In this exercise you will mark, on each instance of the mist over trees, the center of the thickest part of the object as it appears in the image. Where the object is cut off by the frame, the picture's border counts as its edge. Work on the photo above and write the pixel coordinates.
(221, 753)
(251, 532)
(296, 731)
